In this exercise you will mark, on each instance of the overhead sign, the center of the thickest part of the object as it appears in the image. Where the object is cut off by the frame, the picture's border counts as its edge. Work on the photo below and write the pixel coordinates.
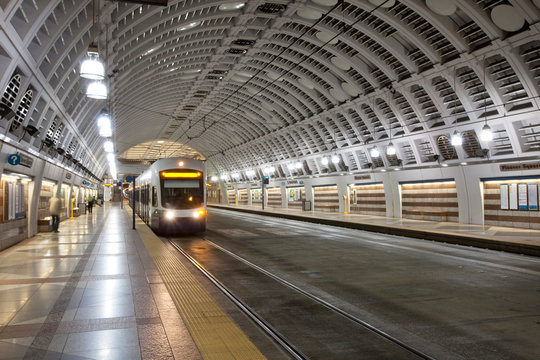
(129, 178)
(517, 167)
(26, 161)
(14, 159)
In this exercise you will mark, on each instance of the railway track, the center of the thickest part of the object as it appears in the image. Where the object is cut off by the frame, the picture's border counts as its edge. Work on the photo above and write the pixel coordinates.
(372, 341)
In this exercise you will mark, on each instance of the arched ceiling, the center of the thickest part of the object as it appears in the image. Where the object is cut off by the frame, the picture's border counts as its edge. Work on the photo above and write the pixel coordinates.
(274, 83)
(152, 150)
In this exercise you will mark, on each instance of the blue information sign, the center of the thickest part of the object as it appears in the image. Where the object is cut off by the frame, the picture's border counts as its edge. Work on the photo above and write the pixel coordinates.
(14, 159)
(129, 178)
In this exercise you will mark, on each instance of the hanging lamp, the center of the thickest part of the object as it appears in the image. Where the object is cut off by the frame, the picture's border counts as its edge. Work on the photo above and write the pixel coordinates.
(92, 68)
(96, 90)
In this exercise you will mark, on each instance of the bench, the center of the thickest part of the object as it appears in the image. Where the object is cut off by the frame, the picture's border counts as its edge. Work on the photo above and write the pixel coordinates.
(44, 225)
(439, 215)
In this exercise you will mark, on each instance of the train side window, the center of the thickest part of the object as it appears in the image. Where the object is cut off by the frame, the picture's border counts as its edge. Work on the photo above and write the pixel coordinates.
(154, 196)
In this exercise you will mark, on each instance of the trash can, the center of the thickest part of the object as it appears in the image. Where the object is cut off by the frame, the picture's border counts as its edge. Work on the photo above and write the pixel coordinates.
(306, 205)
(82, 208)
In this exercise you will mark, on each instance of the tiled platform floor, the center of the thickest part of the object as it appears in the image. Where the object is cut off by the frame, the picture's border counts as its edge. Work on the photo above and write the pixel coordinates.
(88, 292)
(528, 237)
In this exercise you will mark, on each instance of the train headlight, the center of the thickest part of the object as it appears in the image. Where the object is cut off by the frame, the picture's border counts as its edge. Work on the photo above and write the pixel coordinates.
(169, 215)
(199, 213)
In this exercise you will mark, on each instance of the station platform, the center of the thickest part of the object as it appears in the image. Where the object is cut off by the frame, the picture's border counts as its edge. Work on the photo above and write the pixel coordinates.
(100, 290)
(509, 239)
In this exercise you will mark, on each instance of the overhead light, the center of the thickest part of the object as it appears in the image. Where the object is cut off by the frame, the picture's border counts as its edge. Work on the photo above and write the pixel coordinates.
(335, 159)
(214, 178)
(92, 68)
(96, 90)
(250, 172)
(486, 134)
(298, 165)
(104, 120)
(324, 161)
(390, 149)
(108, 146)
(374, 152)
(232, 6)
(290, 166)
(444, 165)
(191, 25)
(224, 177)
(110, 157)
(105, 131)
(235, 175)
(456, 139)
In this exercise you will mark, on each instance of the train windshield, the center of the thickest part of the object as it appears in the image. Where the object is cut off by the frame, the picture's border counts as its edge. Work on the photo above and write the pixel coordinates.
(182, 194)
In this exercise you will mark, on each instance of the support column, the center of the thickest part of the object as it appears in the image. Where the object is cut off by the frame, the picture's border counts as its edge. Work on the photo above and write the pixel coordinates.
(33, 202)
(470, 197)
(343, 194)
(392, 195)
(284, 197)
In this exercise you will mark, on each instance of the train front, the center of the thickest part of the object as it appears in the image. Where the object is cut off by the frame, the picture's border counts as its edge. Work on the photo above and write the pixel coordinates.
(183, 204)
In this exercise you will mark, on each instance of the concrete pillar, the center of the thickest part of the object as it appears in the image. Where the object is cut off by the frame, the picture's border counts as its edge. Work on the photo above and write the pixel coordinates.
(343, 190)
(392, 195)
(308, 188)
(470, 197)
(284, 201)
(248, 188)
(34, 192)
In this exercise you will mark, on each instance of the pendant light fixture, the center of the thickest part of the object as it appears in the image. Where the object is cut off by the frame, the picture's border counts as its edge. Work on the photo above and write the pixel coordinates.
(486, 134)
(390, 149)
(456, 139)
(374, 152)
(97, 90)
(92, 68)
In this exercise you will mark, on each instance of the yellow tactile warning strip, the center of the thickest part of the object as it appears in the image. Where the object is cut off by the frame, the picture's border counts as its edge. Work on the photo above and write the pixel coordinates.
(214, 332)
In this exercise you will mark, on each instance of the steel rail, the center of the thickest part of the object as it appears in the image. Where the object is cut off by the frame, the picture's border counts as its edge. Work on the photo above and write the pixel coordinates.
(267, 328)
(327, 304)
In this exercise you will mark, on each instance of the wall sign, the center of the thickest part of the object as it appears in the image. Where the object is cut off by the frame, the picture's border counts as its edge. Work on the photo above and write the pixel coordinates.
(504, 196)
(522, 196)
(513, 196)
(533, 196)
(14, 159)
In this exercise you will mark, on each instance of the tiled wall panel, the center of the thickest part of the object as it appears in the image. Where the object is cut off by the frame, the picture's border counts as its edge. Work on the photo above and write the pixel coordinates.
(494, 215)
(326, 199)
(434, 201)
(367, 199)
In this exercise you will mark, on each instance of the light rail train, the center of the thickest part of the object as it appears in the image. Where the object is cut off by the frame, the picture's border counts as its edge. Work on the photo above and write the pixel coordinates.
(170, 196)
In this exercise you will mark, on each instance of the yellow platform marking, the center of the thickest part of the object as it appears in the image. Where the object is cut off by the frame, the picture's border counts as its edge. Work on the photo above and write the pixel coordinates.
(214, 332)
